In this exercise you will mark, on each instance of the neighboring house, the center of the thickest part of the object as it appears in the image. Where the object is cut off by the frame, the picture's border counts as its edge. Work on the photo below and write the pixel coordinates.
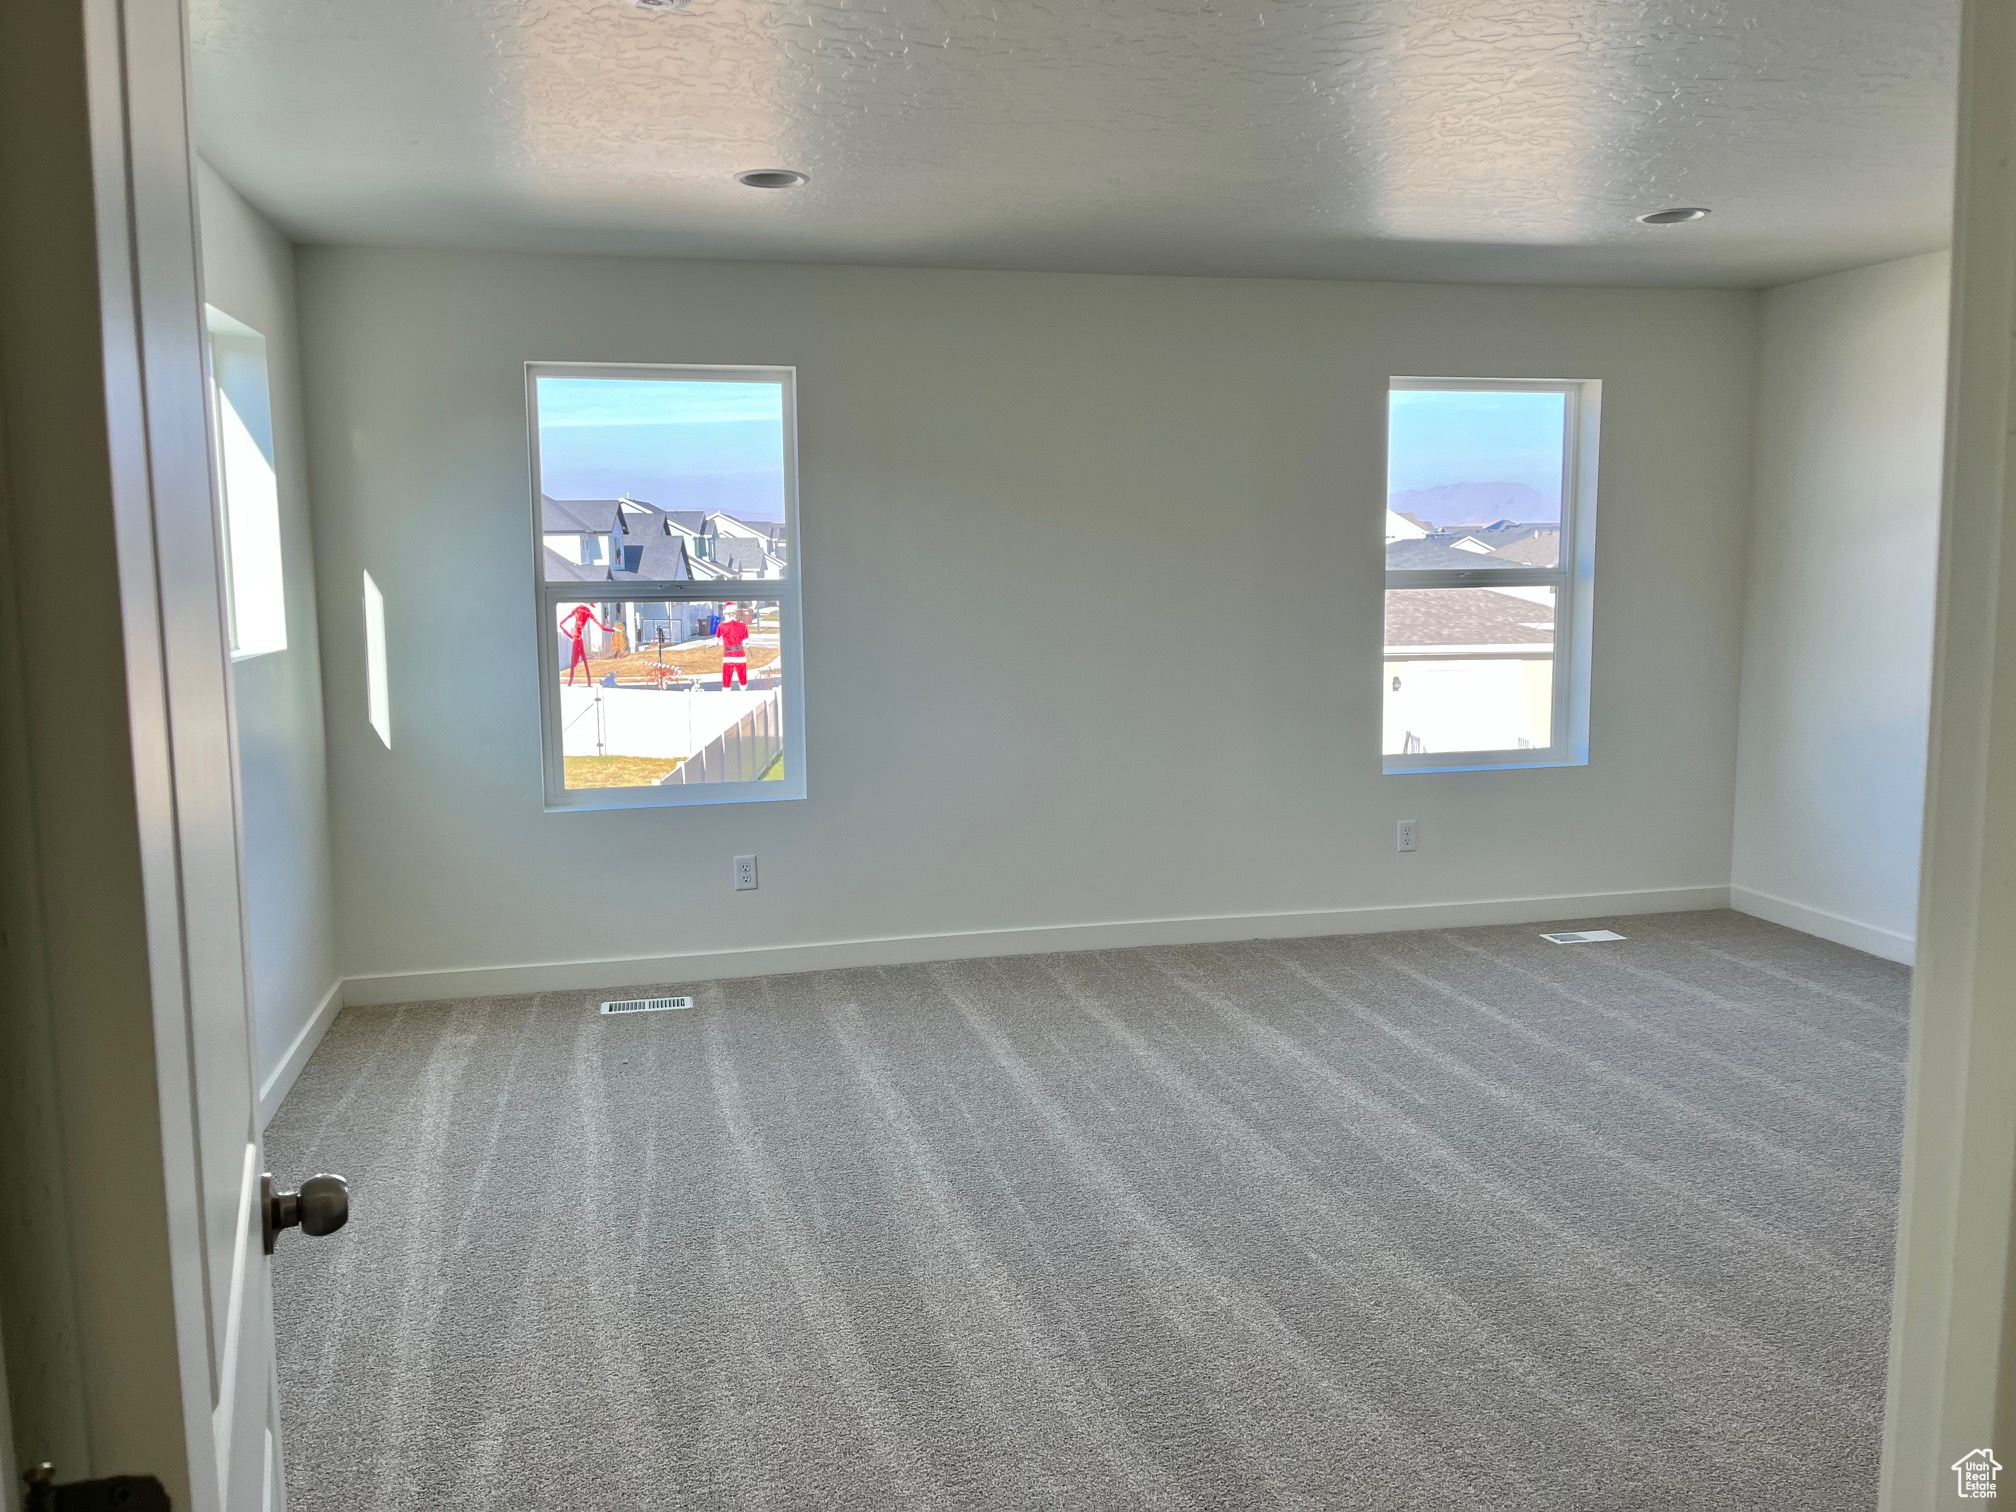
(741, 557)
(1459, 549)
(1539, 546)
(718, 545)
(1467, 670)
(581, 532)
(687, 526)
(755, 547)
(1510, 540)
(1400, 527)
(630, 541)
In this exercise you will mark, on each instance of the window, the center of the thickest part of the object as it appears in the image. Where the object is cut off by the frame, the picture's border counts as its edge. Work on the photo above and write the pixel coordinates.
(1490, 525)
(664, 515)
(241, 411)
(377, 680)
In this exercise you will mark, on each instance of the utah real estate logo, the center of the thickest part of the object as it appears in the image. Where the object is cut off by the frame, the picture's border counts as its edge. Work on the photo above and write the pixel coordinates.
(1975, 1473)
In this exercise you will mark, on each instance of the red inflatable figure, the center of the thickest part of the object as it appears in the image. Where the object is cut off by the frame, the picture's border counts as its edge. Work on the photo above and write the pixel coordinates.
(574, 626)
(733, 635)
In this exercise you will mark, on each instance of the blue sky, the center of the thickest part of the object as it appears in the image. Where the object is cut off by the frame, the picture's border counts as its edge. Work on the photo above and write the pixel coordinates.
(673, 443)
(701, 445)
(1445, 436)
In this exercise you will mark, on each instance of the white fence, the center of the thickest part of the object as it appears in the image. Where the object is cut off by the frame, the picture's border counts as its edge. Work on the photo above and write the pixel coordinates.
(743, 751)
(599, 721)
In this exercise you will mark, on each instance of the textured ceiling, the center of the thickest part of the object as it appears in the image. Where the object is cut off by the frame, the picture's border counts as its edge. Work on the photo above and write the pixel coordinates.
(1428, 139)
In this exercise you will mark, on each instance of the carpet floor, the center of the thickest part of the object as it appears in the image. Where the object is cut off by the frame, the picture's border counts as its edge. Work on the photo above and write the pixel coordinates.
(1459, 1218)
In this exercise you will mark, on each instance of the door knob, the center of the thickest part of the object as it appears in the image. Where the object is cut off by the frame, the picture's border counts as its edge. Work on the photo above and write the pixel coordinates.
(322, 1206)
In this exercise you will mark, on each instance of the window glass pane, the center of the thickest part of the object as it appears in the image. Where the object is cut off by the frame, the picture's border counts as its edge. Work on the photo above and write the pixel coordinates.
(660, 479)
(652, 692)
(377, 680)
(1469, 669)
(1473, 478)
(254, 589)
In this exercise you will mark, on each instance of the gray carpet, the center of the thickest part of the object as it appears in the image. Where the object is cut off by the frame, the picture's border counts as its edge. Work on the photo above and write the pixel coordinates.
(1455, 1219)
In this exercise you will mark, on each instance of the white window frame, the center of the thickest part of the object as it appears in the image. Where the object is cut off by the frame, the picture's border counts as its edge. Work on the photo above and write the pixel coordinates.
(1573, 580)
(786, 591)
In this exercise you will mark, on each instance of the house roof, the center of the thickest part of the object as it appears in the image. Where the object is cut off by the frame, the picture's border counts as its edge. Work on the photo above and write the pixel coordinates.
(656, 558)
(732, 527)
(656, 552)
(761, 528)
(1536, 548)
(1498, 532)
(560, 570)
(1435, 555)
(691, 521)
(739, 554)
(579, 516)
(1522, 545)
(1429, 617)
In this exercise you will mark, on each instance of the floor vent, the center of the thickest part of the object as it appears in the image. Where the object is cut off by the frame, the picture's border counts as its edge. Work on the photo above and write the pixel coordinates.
(1581, 936)
(647, 1005)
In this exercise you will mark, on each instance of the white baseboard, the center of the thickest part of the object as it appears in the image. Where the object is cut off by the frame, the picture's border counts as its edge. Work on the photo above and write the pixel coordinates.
(280, 1081)
(1887, 943)
(765, 960)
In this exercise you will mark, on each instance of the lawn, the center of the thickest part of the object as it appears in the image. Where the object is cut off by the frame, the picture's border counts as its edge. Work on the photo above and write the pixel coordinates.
(640, 668)
(617, 771)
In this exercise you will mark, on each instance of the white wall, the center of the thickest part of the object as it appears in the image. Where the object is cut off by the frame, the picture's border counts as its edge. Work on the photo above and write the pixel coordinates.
(1092, 605)
(1837, 662)
(248, 272)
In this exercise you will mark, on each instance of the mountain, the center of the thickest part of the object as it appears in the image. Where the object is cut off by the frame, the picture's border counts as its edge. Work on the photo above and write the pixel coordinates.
(1475, 503)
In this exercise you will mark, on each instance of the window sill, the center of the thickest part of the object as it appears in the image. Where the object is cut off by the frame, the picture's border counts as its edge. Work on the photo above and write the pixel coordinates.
(593, 802)
(1486, 766)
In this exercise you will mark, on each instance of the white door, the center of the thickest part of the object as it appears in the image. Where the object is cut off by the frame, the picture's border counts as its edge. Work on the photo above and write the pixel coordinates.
(179, 689)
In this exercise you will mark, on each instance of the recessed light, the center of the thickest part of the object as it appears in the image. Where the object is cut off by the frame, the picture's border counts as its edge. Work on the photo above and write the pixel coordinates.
(661, 5)
(1675, 217)
(771, 178)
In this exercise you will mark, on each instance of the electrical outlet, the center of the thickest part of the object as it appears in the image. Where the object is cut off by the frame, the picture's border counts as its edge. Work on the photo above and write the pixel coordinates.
(745, 873)
(1404, 836)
